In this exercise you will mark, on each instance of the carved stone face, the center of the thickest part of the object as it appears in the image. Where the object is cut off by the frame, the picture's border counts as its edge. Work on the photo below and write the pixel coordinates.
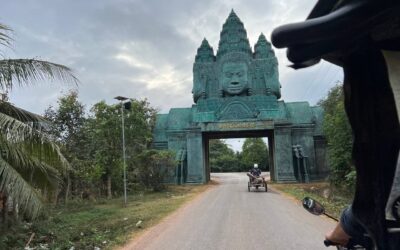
(234, 78)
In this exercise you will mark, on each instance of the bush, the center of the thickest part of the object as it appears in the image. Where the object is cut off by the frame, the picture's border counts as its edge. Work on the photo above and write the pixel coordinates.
(339, 136)
(153, 167)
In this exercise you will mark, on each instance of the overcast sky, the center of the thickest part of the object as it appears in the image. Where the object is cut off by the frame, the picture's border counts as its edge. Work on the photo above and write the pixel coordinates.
(144, 48)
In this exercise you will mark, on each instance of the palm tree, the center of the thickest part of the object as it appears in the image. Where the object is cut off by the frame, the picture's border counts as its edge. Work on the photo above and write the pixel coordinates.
(29, 160)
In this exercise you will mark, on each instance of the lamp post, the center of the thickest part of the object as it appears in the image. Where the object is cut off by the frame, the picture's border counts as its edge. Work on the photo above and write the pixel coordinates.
(122, 99)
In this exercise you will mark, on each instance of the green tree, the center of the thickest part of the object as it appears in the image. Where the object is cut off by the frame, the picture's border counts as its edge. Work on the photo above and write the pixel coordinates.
(221, 157)
(67, 119)
(254, 150)
(105, 132)
(67, 126)
(338, 133)
(29, 160)
(104, 129)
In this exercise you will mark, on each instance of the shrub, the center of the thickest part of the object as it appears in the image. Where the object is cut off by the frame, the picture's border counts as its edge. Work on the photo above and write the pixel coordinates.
(153, 167)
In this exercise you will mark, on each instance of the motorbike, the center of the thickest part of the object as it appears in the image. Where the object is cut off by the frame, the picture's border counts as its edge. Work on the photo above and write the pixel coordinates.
(256, 181)
(316, 208)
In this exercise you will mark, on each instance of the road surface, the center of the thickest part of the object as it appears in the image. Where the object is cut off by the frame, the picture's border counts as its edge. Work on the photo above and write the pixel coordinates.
(229, 217)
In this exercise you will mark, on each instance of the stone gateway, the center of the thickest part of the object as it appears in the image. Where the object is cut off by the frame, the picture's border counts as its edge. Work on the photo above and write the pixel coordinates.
(237, 94)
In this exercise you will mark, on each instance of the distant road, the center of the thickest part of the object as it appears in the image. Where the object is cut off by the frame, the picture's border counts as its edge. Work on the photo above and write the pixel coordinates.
(229, 217)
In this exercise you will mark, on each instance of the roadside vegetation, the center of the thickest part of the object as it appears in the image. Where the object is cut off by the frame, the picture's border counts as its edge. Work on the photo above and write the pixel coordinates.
(61, 173)
(320, 191)
(29, 160)
(91, 141)
(338, 191)
(339, 136)
(103, 224)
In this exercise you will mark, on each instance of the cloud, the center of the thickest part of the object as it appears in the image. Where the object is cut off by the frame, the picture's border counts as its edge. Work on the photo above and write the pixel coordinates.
(145, 49)
(132, 61)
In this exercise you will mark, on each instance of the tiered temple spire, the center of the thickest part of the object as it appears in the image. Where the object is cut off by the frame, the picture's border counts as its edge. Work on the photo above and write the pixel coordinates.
(205, 52)
(233, 37)
(262, 49)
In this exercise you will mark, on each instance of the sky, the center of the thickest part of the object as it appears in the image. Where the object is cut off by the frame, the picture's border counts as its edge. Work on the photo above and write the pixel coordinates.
(237, 143)
(144, 48)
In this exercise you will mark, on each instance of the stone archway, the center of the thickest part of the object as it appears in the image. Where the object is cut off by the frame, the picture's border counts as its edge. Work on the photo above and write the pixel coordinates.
(236, 92)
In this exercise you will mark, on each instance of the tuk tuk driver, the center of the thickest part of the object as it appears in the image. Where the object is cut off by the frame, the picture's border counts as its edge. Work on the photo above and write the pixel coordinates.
(255, 171)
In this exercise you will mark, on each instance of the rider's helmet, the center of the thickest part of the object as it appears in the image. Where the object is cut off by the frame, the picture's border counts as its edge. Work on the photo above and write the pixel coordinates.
(255, 165)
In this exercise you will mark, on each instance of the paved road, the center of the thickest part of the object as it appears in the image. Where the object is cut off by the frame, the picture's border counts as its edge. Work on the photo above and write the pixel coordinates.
(229, 217)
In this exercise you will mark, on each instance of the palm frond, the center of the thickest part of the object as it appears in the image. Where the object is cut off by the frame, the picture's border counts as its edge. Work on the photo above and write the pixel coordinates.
(5, 39)
(19, 114)
(29, 159)
(15, 186)
(29, 71)
(48, 153)
(30, 164)
(15, 131)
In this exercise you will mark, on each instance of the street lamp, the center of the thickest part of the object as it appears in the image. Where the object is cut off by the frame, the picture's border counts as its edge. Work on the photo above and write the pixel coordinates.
(122, 99)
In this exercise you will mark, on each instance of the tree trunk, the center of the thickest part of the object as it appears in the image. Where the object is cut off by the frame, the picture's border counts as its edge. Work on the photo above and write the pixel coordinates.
(8, 207)
(54, 196)
(16, 211)
(4, 209)
(77, 191)
(109, 194)
(67, 189)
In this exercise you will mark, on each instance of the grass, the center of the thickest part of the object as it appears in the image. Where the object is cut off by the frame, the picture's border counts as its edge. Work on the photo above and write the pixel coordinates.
(104, 224)
(334, 204)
